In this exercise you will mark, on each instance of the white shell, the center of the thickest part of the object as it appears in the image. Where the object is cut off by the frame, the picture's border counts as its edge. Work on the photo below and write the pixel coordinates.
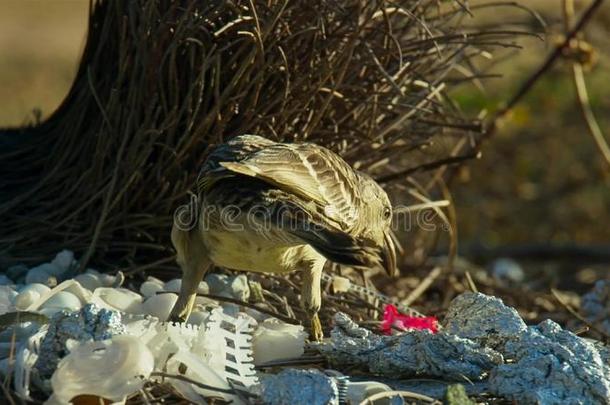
(64, 260)
(59, 301)
(173, 285)
(37, 287)
(111, 369)
(150, 288)
(198, 318)
(160, 305)
(240, 288)
(277, 340)
(25, 299)
(203, 288)
(89, 281)
(7, 299)
(120, 299)
(42, 274)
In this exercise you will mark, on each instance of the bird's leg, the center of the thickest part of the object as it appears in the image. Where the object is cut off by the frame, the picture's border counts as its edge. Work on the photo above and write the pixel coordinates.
(311, 296)
(194, 263)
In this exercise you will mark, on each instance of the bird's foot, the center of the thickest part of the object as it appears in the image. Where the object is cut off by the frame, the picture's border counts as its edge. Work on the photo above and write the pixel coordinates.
(316, 328)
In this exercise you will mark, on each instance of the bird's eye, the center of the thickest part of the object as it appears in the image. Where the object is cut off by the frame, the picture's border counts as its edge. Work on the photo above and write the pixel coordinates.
(387, 212)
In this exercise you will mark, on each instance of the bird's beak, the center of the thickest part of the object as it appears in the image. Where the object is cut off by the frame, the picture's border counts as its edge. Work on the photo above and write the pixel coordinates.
(388, 252)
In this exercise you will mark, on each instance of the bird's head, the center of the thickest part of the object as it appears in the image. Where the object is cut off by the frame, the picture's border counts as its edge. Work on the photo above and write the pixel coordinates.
(376, 221)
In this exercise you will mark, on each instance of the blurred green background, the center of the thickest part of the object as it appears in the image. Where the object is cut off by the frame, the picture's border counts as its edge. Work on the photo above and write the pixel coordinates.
(541, 178)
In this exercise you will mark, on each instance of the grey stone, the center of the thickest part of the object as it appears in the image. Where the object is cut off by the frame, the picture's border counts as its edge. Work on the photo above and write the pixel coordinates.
(484, 319)
(299, 387)
(552, 366)
(90, 323)
(596, 305)
(410, 354)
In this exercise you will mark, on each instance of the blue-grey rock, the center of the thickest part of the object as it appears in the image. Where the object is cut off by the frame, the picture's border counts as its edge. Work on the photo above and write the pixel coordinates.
(410, 354)
(552, 366)
(483, 319)
(90, 323)
(596, 305)
(299, 387)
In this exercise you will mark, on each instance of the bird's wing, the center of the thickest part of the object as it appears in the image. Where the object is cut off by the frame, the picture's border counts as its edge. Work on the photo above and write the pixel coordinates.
(309, 171)
(235, 150)
(304, 220)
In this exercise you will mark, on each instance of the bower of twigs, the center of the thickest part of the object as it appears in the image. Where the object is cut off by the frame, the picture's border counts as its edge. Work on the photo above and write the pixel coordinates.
(161, 82)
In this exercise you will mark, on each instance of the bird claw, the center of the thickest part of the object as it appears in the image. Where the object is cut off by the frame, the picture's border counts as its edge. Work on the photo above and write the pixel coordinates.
(316, 328)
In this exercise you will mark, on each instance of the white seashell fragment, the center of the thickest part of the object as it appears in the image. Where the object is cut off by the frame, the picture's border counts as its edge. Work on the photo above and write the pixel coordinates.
(89, 281)
(239, 287)
(63, 261)
(120, 299)
(198, 318)
(44, 274)
(60, 301)
(110, 369)
(25, 299)
(160, 305)
(39, 288)
(277, 340)
(150, 288)
(173, 285)
(7, 299)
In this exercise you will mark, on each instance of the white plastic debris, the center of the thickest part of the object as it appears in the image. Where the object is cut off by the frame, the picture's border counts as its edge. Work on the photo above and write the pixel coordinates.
(63, 300)
(276, 340)
(111, 369)
(150, 287)
(160, 305)
(89, 281)
(507, 270)
(43, 274)
(7, 298)
(173, 285)
(120, 299)
(63, 261)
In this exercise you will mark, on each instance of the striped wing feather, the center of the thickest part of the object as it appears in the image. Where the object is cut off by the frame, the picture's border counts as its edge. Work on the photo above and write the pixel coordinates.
(309, 171)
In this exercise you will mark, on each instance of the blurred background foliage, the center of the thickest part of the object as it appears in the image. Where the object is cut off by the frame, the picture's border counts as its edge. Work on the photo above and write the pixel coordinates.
(541, 178)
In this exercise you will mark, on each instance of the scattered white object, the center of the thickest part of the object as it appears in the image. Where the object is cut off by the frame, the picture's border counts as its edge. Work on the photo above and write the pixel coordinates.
(29, 295)
(7, 298)
(89, 281)
(507, 270)
(25, 299)
(37, 287)
(203, 288)
(277, 340)
(63, 300)
(120, 299)
(44, 274)
(198, 318)
(160, 305)
(173, 285)
(73, 287)
(150, 288)
(239, 287)
(110, 369)
(63, 261)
